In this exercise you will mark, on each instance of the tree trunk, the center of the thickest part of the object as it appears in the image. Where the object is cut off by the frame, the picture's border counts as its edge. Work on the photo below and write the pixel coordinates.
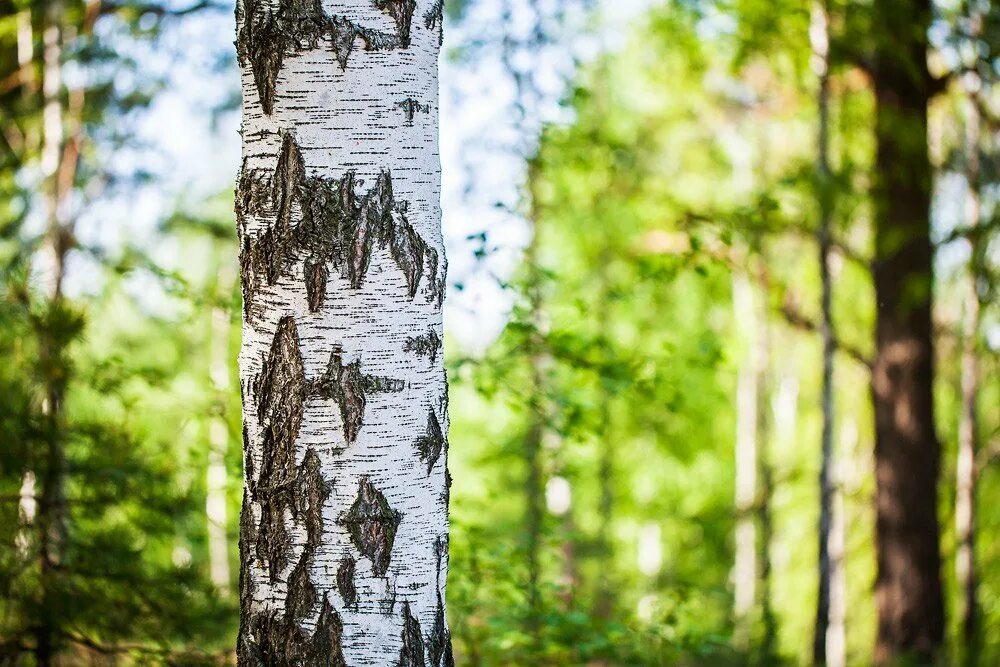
(344, 528)
(218, 434)
(907, 453)
(836, 631)
(820, 40)
(965, 482)
(745, 561)
(763, 436)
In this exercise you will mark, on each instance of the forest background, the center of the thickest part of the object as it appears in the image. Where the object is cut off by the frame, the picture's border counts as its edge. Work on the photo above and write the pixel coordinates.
(661, 219)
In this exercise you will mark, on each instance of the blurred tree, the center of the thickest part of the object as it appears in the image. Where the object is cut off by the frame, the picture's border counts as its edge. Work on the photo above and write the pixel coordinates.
(94, 504)
(907, 451)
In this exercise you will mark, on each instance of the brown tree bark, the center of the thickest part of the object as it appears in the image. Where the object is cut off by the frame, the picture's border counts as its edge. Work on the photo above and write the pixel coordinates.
(907, 452)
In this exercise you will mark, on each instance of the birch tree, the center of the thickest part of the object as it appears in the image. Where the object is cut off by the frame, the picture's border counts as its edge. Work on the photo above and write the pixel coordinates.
(344, 526)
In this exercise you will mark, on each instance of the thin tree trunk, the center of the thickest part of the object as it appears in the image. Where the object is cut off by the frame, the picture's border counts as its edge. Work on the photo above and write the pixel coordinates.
(745, 563)
(50, 508)
(218, 435)
(907, 453)
(820, 39)
(605, 599)
(965, 482)
(763, 433)
(836, 632)
(534, 482)
(344, 527)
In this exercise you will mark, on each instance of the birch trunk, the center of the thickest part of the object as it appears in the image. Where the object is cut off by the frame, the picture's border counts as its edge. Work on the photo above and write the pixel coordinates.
(745, 562)
(344, 527)
(820, 40)
(218, 434)
(965, 470)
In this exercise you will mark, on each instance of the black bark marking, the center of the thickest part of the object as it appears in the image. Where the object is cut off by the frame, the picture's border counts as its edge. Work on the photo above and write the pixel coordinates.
(272, 641)
(434, 18)
(446, 494)
(326, 642)
(311, 494)
(432, 443)
(388, 604)
(248, 467)
(261, 45)
(337, 229)
(411, 653)
(301, 596)
(372, 525)
(267, 34)
(316, 275)
(248, 536)
(345, 582)
(427, 344)
(273, 540)
(348, 386)
(401, 12)
(410, 108)
(280, 392)
(439, 639)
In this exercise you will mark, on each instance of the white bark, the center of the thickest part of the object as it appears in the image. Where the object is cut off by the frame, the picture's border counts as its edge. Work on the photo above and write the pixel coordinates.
(968, 423)
(745, 564)
(218, 437)
(345, 518)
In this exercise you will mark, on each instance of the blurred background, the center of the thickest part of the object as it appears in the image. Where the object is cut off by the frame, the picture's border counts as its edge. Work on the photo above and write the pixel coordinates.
(650, 366)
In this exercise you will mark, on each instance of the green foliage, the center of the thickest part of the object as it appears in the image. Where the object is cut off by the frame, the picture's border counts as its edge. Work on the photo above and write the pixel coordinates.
(594, 437)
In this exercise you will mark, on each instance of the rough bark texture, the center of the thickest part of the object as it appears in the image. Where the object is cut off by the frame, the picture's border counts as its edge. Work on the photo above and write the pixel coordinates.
(344, 523)
(907, 453)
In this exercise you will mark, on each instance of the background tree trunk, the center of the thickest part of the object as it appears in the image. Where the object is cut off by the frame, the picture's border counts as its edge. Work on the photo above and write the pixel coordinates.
(216, 474)
(907, 453)
(344, 527)
(820, 40)
(745, 562)
(965, 470)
